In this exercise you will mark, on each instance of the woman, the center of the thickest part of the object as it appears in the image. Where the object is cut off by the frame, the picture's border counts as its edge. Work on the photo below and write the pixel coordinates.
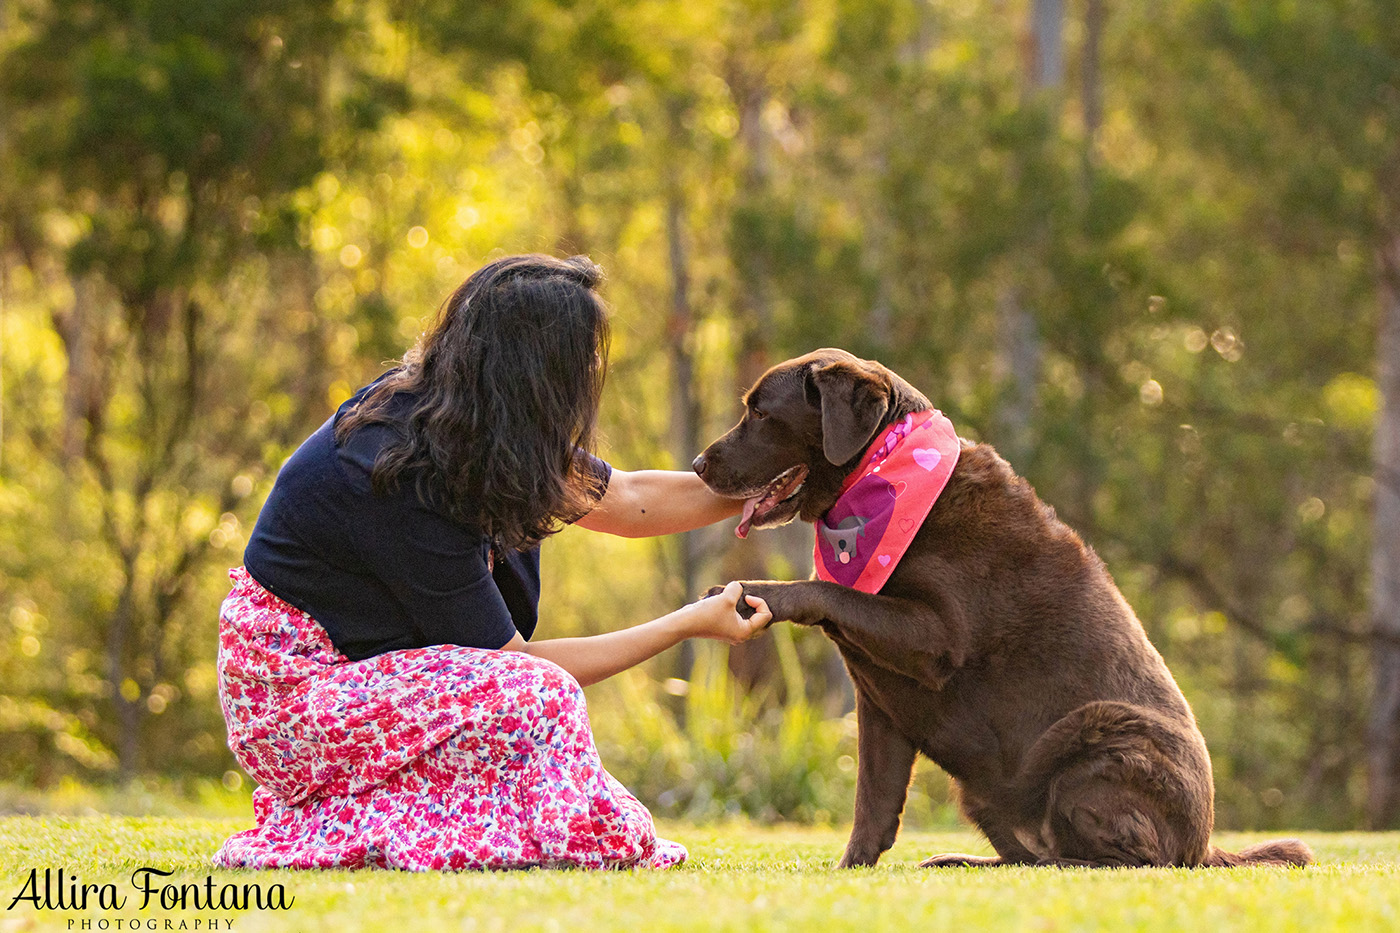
(374, 663)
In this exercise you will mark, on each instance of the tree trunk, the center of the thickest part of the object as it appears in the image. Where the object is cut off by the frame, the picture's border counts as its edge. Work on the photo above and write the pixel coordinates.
(75, 330)
(1018, 345)
(3, 284)
(119, 639)
(755, 661)
(1047, 66)
(1383, 805)
(685, 405)
(1091, 94)
(1018, 341)
(1088, 469)
(4, 22)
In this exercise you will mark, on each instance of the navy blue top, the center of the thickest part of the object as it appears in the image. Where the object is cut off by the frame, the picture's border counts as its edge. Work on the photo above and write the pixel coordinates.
(385, 572)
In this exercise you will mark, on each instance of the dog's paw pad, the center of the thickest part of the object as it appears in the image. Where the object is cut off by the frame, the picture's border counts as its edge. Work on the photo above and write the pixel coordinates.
(958, 860)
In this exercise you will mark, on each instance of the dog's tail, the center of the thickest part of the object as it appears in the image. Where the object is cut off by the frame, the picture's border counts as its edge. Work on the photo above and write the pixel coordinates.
(1283, 852)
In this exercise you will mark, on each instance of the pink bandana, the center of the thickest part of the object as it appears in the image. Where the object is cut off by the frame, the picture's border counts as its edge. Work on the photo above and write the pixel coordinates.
(884, 501)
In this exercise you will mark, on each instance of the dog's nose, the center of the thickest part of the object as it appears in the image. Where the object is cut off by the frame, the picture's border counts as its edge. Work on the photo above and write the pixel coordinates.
(699, 464)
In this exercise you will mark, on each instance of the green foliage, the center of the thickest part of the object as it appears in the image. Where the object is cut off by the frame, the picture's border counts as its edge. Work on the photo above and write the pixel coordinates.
(164, 144)
(730, 754)
(217, 220)
(151, 796)
(721, 753)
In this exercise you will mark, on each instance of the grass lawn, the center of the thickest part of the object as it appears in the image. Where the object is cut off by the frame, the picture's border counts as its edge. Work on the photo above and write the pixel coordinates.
(738, 878)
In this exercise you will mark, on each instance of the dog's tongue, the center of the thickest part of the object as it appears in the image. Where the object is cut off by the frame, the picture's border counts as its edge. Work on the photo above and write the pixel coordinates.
(749, 504)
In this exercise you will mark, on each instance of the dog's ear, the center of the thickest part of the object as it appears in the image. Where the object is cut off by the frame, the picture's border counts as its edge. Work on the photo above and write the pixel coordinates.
(854, 400)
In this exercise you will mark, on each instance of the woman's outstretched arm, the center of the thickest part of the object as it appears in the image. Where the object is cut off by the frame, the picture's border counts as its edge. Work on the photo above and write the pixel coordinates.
(642, 503)
(597, 657)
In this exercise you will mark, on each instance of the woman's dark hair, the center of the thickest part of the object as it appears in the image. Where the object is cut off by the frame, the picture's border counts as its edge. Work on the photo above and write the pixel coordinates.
(505, 388)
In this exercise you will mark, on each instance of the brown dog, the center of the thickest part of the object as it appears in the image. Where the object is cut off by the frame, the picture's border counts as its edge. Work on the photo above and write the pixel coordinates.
(1000, 646)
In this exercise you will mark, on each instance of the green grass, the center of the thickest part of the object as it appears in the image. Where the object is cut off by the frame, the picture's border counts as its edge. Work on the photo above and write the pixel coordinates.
(738, 878)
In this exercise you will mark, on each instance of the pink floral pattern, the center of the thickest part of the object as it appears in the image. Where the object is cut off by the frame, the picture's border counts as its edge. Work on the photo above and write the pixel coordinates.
(431, 758)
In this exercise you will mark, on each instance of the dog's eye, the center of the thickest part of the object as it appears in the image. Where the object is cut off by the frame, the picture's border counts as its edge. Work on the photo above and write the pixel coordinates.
(759, 414)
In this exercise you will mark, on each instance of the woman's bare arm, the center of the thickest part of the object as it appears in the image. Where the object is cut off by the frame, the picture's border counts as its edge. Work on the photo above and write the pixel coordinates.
(643, 503)
(597, 657)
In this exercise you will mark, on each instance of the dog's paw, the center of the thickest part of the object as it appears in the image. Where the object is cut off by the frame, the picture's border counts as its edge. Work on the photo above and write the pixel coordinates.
(958, 860)
(743, 608)
(859, 857)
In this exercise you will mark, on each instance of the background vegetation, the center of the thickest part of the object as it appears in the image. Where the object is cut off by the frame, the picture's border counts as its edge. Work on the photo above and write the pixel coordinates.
(1150, 251)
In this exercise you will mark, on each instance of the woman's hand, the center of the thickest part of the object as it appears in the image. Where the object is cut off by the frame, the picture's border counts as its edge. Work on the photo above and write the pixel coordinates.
(592, 658)
(718, 616)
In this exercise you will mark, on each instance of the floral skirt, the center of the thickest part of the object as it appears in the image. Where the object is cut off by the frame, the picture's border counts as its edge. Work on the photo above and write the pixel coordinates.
(430, 758)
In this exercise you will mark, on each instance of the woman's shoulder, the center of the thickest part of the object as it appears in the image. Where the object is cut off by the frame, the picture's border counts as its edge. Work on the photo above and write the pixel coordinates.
(360, 448)
(416, 490)
(395, 405)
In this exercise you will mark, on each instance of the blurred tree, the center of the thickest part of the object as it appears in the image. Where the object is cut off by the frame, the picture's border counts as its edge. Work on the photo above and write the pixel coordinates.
(214, 223)
(1383, 806)
(166, 142)
(1020, 353)
(1330, 73)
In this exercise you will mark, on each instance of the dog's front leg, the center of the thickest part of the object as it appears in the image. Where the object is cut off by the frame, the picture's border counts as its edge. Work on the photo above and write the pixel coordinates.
(901, 635)
(886, 765)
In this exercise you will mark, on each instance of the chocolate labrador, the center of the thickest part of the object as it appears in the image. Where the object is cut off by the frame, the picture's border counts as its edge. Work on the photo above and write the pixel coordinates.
(999, 647)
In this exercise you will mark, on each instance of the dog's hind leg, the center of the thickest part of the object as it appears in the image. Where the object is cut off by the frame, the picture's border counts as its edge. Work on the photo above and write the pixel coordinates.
(1114, 785)
(989, 819)
(1094, 824)
(886, 765)
(1101, 822)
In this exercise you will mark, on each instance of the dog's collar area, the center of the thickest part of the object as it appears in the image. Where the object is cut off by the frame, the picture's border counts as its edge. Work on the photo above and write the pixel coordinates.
(884, 501)
(884, 444)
